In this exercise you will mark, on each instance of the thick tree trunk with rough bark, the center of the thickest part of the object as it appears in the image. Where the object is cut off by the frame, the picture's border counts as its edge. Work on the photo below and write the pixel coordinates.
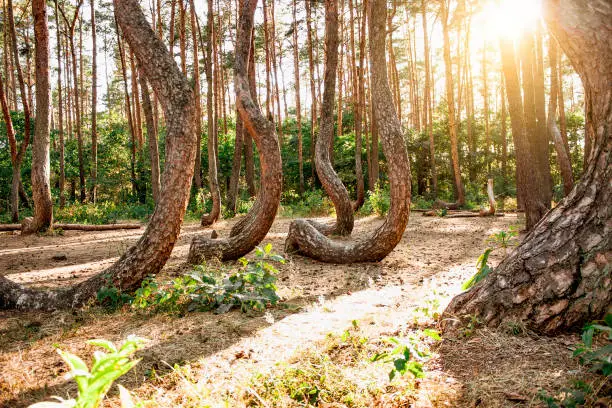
(559, 277)
(303, 237)
(329, 178)
(151, 252)
(261, 217)
(41, 166)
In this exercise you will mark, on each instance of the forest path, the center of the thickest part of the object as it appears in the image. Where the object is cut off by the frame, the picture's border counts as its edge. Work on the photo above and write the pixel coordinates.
(320, 299)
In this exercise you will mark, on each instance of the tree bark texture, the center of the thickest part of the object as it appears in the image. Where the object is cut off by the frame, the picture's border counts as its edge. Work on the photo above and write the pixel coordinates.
(151, 252)
(329, 178)
(304, 238)
(262, 215)
(558, 278)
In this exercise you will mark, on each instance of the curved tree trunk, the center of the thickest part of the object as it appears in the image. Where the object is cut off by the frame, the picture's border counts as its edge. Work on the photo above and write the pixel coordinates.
(305, 238)
(559, 277)
(213, 180)
(263, 132)
(329, 179)
(151, 136)
(41, 167)
(153, 249)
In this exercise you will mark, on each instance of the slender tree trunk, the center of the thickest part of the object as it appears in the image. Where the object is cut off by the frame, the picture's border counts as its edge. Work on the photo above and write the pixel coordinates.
(303, 236)
(527, 174)
(450, 100)
(298, 105)
(357, 109)
(94, 107)
(151, 137)
(41, 166)
(565, 166)
(213, 216)
(197, 178)
(249, 161)
(504, 137)
(151, 252)
(260, 218)
(314, 111)
(60, 101)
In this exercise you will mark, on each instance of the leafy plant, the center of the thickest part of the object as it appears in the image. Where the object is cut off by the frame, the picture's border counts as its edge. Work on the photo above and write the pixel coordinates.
(380, 200)
(106, 368)
(112, 299)
(503, 239)
(252, 287)
(408, 357)
(442, 212)
(482, 270)
(599, 359)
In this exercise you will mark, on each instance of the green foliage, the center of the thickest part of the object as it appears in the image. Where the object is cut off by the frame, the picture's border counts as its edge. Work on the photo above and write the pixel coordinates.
(482, 270)
(106, 368)
(408, 357)
(599, 359)
(103, 213)
(573, 397)
(252, 287)
(379, 200)
(112, 298)
(311, 203)
(504, 239)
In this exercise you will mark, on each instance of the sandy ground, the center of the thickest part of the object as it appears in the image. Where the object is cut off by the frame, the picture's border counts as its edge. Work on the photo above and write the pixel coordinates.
(434, 256)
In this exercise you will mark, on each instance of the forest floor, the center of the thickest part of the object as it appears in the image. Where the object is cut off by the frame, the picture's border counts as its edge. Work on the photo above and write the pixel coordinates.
(315, 345)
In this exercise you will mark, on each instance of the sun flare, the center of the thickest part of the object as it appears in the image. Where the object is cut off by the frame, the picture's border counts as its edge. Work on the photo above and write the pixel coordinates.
(508, 18)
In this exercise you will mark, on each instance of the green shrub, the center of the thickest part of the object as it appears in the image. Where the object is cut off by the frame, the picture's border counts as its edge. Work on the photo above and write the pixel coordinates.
(599, 359)
(252, 287)
(379, 200)
(482, 270)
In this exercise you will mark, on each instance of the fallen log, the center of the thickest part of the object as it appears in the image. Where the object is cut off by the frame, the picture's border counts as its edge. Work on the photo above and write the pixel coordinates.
(76, 227)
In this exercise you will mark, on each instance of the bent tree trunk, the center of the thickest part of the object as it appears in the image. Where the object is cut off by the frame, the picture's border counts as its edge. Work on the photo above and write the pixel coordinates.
(329, 179)
(559, 277)
(303, 237)
(41, 167)
(151, 252)
(263, 132)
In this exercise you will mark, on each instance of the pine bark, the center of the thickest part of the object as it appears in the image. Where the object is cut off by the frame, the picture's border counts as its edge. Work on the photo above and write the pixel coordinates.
(94, 107)
(298, 103)
(304, 237)
(558, 278)
(259, 220)
(41, 166)
(151, 252)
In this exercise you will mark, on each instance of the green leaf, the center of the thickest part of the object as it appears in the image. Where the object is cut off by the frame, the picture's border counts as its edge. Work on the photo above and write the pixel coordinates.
(105, 344)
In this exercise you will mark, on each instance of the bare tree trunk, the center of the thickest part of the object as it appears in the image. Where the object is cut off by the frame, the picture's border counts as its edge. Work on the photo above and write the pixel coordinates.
(262, 214)
(197, 178)
(331, 182)
(303, 236)
(151, 252)
(249, 161)
(450, 99)
(213, 181)
(558, 278)
(314, 110)
(565, 166)
(151, 137)
(41, 166)
(94, 107)
(62, 166)
(298, 104)
(358, 112)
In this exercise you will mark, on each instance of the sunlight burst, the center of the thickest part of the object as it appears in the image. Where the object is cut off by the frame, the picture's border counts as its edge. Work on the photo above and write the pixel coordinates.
(509, 18)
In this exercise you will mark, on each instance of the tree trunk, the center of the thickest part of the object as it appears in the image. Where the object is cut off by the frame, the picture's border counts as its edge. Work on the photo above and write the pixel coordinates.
(565, 166)
(213, 180)
(304, 237)
(428, 104)
(60, 100)
(358, 113)
(450, 99)
(314, 111)
(249, 161)
(329, 178)
(197, 177)
(558, 278)
(151, 137)
(151, 252)
(262, 214)
(41, 167)
(94, 107)
(298, 104)
(527, 173)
